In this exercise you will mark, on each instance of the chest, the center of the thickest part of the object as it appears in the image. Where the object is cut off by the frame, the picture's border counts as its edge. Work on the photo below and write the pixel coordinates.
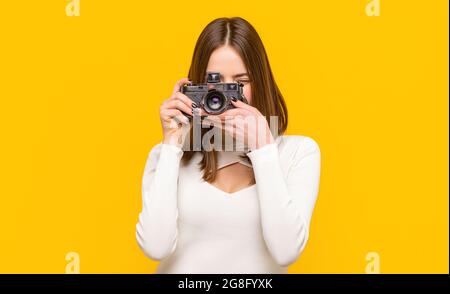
(233, 178)
(206, 206)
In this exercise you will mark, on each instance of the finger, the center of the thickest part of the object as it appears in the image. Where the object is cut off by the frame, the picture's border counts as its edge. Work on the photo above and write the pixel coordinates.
(175, 114)
(230, 113)
(183, 98)
(170, 113)
(200, 112)
(240, 104)
(182, 119)
(178, 104)
(178, 85)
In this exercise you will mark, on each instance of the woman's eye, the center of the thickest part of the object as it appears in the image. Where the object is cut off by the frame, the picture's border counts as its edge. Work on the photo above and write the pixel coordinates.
(243, 81)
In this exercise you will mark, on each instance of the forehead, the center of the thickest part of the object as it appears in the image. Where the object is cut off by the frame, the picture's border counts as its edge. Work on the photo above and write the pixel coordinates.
(227, 61)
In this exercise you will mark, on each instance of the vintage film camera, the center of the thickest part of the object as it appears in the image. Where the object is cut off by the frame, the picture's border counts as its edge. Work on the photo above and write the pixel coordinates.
(214, 97)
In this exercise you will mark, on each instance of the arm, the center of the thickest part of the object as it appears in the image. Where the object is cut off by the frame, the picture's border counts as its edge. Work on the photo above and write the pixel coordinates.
(286, 203)
(156, 231)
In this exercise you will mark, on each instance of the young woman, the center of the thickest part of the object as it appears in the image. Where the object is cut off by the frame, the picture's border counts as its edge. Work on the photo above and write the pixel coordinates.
(229, 211)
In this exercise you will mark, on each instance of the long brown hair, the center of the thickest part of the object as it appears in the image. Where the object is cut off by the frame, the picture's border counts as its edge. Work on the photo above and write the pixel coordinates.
(266, 96)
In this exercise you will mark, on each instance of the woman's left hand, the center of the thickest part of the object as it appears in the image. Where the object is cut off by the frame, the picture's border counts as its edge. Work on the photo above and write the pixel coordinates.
(246, 124)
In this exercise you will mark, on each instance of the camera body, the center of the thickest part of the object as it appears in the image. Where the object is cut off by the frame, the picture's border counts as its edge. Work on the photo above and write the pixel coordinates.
(214, 97)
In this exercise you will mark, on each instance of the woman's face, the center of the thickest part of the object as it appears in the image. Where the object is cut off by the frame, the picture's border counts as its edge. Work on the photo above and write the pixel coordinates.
(231, 67)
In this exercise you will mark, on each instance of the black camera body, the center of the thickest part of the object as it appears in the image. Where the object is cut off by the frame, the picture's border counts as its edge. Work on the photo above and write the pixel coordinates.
(214, 97)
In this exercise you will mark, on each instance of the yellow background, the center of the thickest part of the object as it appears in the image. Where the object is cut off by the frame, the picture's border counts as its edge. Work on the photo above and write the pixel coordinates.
(79, 114)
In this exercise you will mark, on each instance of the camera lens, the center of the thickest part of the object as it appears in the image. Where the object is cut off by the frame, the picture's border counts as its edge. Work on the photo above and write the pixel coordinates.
(215, 102)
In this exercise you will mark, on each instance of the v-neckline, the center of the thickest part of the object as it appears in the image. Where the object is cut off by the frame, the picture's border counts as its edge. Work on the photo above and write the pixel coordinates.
(233, 194)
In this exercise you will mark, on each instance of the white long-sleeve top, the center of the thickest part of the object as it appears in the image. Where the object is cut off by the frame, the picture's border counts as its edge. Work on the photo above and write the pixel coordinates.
(191, 226)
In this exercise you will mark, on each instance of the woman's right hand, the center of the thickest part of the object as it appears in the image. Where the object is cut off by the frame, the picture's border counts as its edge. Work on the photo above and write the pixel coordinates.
(175, 125)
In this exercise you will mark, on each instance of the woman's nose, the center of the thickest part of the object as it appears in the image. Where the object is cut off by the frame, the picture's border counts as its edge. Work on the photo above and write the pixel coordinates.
(228, 80)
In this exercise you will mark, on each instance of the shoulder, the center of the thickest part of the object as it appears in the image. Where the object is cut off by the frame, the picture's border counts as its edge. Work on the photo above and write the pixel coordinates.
(293, 149)
(298, 143)
(166, 149)
(153, 156)
(296, 150)
(155, 150)
(162, 147)
(164, 152)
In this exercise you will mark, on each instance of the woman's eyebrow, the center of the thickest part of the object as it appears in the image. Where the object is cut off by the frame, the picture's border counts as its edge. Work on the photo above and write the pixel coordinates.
(240, 75)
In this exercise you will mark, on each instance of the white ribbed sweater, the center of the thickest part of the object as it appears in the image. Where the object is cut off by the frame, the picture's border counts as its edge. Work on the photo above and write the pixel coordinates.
(192, 226)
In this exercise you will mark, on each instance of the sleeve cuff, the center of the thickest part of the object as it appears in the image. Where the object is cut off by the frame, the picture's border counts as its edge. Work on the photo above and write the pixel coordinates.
(170, 153)
(172, 148)
(266, 154)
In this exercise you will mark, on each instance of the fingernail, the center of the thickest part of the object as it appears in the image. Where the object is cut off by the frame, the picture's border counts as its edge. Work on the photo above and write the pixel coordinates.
(194, 105)
(234, 99)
